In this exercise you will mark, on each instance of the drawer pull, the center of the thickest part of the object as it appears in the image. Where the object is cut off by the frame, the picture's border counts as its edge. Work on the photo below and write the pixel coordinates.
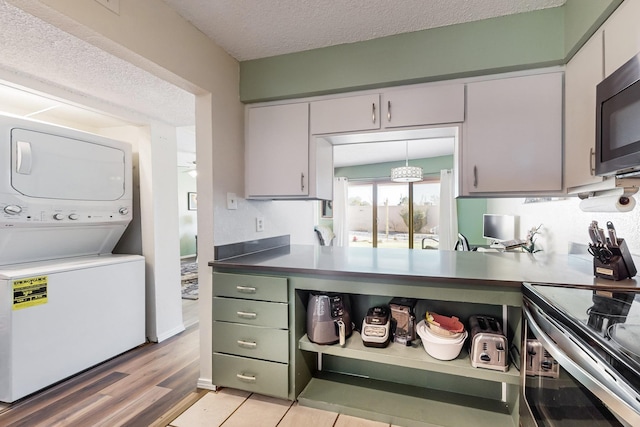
(246, 289)
(247, 315)
(247, 378)
(247, 344)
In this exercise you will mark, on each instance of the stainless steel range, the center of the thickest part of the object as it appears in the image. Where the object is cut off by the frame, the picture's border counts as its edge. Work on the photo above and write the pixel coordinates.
(582, 357)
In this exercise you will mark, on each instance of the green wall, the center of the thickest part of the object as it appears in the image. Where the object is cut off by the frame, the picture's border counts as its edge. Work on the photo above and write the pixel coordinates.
(514, 42)
(431, 165)
(582, 19)
(469, 210)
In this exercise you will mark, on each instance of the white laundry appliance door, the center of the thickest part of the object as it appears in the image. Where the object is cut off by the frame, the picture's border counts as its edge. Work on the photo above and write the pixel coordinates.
(57, 167)
(60, 318)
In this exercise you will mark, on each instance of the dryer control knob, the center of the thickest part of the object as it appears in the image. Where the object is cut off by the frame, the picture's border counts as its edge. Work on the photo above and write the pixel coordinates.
(73, 216)
(58, 216)
(123, 211)
(12, 209)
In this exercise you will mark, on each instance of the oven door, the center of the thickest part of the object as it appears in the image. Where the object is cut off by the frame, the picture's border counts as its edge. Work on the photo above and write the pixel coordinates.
(566, 383)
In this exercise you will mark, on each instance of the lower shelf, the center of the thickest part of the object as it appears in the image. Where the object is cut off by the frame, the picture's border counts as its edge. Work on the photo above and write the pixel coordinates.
(411, 357)
(401, 404)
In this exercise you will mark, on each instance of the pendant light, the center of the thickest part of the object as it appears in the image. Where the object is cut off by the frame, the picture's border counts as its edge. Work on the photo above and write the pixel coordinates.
(406, 173)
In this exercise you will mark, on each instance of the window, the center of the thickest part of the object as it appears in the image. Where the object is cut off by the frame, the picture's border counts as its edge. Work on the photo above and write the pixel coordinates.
(406, 214)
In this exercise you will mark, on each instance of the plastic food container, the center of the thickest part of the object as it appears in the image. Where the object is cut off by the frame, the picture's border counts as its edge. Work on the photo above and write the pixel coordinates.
(439, 347)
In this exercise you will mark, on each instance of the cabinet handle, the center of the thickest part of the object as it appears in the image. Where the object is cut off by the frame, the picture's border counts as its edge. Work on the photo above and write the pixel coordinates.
(475, 177)
(592, 163)
(247, 378)
(373, 112)
(247, 344)
(247, 315)
(388, 111)
(246, 289)
(302, 181)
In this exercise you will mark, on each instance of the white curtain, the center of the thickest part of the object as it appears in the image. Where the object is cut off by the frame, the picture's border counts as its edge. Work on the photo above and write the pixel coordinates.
(448, 229)
(340, 205)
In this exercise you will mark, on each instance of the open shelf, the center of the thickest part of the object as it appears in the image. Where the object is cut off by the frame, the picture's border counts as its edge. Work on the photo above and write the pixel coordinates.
(411, 357)
(402, 404)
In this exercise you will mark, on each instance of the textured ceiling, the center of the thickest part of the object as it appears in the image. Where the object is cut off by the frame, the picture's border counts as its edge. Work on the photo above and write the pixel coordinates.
(37, 50)
(250, 29)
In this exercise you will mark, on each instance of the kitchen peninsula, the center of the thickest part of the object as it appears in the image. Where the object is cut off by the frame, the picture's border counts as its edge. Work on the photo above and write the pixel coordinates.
(260, 343)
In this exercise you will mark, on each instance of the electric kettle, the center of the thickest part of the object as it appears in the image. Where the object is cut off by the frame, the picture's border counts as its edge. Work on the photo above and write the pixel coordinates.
(328, 318)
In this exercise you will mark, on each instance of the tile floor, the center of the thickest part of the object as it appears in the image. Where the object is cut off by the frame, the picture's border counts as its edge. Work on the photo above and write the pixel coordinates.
(235, 408)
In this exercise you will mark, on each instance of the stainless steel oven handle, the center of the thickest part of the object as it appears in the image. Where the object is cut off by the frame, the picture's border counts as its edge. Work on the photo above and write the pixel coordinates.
(606, 385)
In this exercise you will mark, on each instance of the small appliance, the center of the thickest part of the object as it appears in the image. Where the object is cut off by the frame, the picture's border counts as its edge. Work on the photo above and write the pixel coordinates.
(376, 327)
(329, 318)
(617, 129)
(403, 320)
(489, 346)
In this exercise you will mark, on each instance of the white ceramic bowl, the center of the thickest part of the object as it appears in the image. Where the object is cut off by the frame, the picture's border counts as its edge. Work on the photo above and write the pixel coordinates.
(439, 347)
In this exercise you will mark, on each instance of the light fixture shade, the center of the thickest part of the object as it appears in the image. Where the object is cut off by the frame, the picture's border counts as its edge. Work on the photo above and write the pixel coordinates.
(406, 174)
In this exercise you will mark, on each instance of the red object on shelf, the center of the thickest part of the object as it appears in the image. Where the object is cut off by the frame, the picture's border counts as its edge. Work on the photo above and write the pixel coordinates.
(451, 324)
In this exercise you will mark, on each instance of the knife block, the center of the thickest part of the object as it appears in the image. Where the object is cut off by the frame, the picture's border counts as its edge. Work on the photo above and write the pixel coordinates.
(621, 265)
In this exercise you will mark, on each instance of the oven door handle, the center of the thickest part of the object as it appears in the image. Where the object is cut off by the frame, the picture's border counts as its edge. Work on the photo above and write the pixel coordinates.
(603, 383)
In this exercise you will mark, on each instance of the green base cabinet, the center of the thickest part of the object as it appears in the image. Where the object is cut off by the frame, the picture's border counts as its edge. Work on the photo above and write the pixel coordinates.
(251, 333)
(260, 345)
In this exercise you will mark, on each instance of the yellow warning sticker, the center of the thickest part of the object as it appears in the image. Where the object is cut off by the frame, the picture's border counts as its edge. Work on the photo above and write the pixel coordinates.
(30, 291)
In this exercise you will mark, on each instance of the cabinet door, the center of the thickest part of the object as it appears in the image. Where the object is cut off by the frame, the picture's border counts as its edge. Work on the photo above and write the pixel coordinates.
(512, 140)
(277, 151)
(621, 36)
(349, 114)
(423, 106)
(583, 73)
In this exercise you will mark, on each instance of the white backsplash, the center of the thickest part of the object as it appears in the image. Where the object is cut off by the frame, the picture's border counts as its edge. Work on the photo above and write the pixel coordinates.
(563, 222)
(282, 217)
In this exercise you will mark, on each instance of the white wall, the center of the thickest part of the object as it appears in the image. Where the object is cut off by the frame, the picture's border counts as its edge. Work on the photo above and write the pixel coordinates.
(563, 222)
(281, 217)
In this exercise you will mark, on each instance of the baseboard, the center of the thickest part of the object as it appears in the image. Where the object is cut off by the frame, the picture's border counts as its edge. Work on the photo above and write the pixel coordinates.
(168, 334)
(206, 384)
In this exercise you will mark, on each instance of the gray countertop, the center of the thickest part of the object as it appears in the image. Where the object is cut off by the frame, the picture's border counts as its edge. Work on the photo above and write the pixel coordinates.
(497, 268)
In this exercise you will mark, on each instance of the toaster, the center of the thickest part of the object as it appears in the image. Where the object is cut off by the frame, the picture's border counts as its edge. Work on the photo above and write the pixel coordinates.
(489, 346)
(539, 362)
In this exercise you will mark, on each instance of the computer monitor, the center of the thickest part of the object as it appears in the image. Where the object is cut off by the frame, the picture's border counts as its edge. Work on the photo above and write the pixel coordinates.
(499, 227)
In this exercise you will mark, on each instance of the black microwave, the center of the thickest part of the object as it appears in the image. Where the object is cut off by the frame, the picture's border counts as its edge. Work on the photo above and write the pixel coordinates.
(618, 121)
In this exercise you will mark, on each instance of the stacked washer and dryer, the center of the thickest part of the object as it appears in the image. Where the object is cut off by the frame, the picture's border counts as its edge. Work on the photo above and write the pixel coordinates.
(66, 302)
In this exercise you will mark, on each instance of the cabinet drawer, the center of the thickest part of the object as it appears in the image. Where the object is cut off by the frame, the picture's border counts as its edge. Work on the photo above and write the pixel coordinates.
(260, 313)
(251, 341)
(262, 288)
(252, 375)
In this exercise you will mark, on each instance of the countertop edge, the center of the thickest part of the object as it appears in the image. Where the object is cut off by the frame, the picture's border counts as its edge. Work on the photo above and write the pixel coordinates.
(230, 266)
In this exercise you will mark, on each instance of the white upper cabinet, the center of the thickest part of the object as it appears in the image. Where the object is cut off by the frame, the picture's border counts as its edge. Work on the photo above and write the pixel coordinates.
(621, 35)
(277, 151)
(512, 136)
(582, 75)
(423, 106)
(348, 114)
